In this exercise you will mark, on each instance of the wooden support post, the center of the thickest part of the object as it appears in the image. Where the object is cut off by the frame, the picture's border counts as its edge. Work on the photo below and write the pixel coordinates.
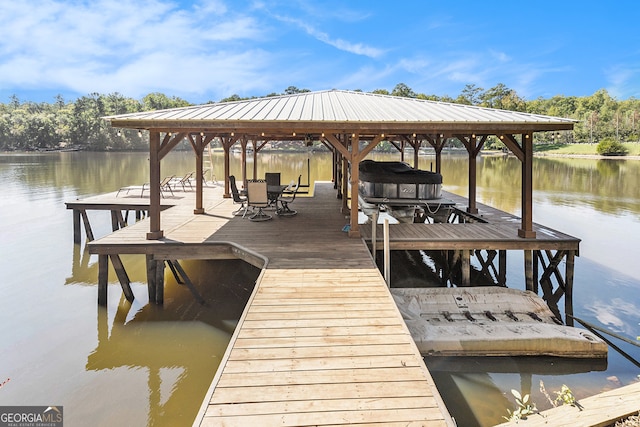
(199, 149)
(123, 277)
(159, 282)
(155, 232)
(115, 226)
(354, 229)
(151, 277)
(528, 270)
(536, 272)
(568, 291)
(438, 148)
(243, 157)
(335, 167)
(103, 279)
(117, 220)
(255, 160)
(227, 167)
(374, 236)
(387, 253)
(465, 267)
(472, 208)
(76, 226)
(526, 229)
(87, 225)
(502, 267)
(344, 193)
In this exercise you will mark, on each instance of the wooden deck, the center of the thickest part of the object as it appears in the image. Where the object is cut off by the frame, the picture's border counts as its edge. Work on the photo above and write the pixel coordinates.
(321, 341)
(493, 229)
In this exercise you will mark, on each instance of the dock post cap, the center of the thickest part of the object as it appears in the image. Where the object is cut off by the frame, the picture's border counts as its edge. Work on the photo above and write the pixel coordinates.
(155, 235)
(526, 234)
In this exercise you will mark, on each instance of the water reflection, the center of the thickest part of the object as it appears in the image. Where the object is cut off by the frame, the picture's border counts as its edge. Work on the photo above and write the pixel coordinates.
(478, 384)
(178, 346)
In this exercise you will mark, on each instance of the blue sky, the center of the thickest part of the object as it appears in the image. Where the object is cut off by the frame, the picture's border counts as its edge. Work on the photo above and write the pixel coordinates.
(206, 50)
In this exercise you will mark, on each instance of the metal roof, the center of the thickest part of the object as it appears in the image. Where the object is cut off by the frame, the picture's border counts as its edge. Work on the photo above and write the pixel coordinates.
(340, 109)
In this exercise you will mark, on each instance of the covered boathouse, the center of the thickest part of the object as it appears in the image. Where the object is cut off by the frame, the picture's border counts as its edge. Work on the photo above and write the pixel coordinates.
(351, 125)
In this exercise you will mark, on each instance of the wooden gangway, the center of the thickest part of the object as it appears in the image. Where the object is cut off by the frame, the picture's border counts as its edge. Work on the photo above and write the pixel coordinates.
(321, 340)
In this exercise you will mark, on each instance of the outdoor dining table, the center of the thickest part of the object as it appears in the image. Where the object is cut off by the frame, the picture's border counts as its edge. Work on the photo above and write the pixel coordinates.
(273, 192)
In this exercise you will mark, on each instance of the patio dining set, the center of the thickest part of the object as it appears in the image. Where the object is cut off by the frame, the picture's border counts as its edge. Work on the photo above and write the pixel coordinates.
(262, 195)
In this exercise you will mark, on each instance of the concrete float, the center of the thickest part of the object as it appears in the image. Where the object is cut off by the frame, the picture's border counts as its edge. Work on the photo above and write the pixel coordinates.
(490, 321)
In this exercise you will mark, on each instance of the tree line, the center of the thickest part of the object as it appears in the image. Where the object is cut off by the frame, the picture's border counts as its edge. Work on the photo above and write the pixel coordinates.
(26, 125)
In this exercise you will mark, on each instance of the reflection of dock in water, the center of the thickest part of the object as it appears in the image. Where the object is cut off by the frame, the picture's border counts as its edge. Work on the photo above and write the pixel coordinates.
(180, 345)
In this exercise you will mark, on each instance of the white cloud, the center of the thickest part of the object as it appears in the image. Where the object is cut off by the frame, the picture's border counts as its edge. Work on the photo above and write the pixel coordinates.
(129, 47)
(355, 48)
(623, 80)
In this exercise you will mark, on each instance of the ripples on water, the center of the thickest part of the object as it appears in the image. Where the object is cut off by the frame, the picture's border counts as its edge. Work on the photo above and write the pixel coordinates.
(137, 364)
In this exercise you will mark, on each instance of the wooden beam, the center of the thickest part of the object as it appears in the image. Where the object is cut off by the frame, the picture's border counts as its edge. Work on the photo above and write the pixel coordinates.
(123, 277)
(198, 147)
(338, 145)
(155, 232)
(366, 150)
(568, 290)
(103, 279)
(77, 238)
(227, 142)
(512, 144)
(243, 159)
(169, 141)
(87, 225)
(526, 229)
(255, 158)
(354, 230)
(473, 146)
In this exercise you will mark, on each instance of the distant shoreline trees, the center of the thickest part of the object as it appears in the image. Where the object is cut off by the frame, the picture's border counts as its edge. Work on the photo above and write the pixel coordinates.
(26, 125)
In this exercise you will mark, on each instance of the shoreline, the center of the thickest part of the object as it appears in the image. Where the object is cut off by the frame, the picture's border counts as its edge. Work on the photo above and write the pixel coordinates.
(586, 156)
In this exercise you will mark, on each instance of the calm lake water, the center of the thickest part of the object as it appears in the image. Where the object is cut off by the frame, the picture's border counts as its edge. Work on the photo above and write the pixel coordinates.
(144, 365)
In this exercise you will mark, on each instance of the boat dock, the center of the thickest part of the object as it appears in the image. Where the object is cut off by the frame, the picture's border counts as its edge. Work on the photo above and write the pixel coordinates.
(321, 340)
(487, 235)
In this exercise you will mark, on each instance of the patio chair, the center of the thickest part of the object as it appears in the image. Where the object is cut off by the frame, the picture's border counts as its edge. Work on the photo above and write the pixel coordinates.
(287, 197)
(165, 185)
(184, 181)
(237, 198)
(273, 180)
(257, 198)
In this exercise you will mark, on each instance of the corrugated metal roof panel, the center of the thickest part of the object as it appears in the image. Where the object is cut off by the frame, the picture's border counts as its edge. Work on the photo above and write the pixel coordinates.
(341, 106)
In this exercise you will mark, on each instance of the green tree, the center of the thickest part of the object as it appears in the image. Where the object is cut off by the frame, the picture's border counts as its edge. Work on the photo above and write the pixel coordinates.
(86, 122)
(501, 97)
(381, 92)
(402, 89)
(292, 90)
(470, 95)
(160, 101)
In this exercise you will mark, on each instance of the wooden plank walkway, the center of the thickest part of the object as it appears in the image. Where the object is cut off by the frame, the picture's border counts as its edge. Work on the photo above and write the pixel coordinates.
(321, 341)
(323, 347)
